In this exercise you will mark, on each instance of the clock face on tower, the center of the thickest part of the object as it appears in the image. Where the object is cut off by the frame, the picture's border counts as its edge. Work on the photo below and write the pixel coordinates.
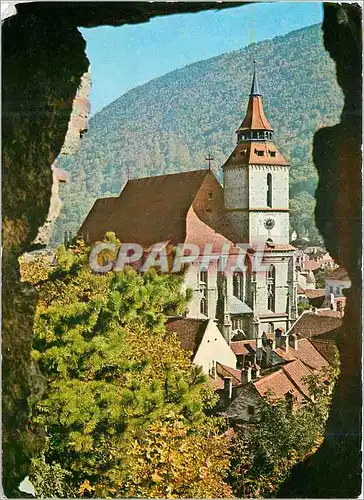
(269, 223)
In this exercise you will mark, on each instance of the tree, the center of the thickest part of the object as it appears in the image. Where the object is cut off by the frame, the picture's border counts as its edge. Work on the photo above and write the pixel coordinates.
(118, 385)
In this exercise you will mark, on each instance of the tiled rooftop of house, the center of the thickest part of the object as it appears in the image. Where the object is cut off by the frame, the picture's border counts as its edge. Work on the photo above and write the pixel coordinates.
(339, 274)
(277, 385)
(306, 352)
(311, 324)
(315, 293)
(189, 331)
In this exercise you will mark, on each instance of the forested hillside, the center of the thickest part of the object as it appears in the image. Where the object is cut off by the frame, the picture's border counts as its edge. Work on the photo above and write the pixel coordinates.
(171, 123)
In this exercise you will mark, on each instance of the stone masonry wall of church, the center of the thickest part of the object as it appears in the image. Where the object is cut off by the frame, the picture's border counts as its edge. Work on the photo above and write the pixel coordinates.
(281, 289)
(236, 187)
(258, 232)
(258, 182)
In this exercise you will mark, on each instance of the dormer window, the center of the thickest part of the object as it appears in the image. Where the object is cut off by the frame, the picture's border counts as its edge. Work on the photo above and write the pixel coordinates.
(272, 153)
(210, 196)
(259, 152)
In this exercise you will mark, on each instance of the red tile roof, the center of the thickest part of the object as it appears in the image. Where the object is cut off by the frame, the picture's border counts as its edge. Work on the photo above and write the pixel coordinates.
(227, 371)
(277, 385)
(314, 294)
(255, 118)
(329, 313)
(306, 352)
(189, 332)
(162, 208)
(326, 348)
(279, 247)
(339, 274)
(239, 347)
(310, 324)
(310, 265)
(300, 290)
(297, 372)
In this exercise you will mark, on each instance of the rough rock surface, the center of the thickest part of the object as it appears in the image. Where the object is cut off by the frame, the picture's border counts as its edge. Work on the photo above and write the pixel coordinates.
(77, 126)
(335, 470)
(42, 67)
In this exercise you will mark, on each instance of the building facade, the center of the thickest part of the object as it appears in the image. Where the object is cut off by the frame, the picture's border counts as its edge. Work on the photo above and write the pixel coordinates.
(251, 208)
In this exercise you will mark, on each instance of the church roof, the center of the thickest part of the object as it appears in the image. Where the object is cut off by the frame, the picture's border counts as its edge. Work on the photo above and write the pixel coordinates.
(255, 118)
(154, 209)
(256, 153)
(239, 307)
(255, 86)
(255, 146)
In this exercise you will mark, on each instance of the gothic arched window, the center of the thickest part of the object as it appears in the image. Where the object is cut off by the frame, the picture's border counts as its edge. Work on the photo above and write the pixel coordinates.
(203, 306)
(203, 285)
(269, 190)
(271, 288)
(238, 285)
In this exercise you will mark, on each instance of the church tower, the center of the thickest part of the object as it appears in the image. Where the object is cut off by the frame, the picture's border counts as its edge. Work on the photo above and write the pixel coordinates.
(256, 179)
(256, 200)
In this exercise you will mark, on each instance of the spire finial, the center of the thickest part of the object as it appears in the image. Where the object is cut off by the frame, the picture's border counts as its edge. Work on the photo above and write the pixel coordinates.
(255, 87)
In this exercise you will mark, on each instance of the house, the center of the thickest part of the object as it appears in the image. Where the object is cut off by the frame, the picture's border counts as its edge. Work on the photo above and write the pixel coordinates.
(336, 282)
(288, 382)
(203, 339)
(275, 365)
(321, 328)
(327, 261)
(315, 297)
(307, 280)
(193, 209)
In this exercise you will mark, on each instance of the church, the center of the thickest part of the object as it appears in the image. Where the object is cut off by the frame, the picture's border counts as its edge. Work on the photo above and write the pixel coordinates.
(193, 208)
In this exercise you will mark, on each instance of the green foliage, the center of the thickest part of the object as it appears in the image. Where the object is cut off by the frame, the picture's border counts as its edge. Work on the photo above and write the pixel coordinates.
(303, 306)
(263, 456)
(170, 123)
(302, 207)
(113, 375)
(320, 277)
(49, 480)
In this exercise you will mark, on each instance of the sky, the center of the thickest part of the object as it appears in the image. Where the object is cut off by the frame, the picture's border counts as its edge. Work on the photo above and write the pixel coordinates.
(127, 56)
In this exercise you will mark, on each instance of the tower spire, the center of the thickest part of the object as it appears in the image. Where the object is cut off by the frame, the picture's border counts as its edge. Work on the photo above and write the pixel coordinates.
(255, 86)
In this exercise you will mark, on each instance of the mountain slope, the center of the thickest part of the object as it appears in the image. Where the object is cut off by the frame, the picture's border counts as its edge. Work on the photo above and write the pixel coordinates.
(170, 123)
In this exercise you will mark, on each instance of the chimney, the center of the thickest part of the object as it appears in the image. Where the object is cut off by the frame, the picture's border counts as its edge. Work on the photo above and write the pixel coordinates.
(279, 335)
(228, 390)
(258, 343)
(340, 307)
(286, 342)
(332, 302)
(272, 342)
(246, 374)
(293, 341)
(271, 345)
(256, 371)
(213, 370)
